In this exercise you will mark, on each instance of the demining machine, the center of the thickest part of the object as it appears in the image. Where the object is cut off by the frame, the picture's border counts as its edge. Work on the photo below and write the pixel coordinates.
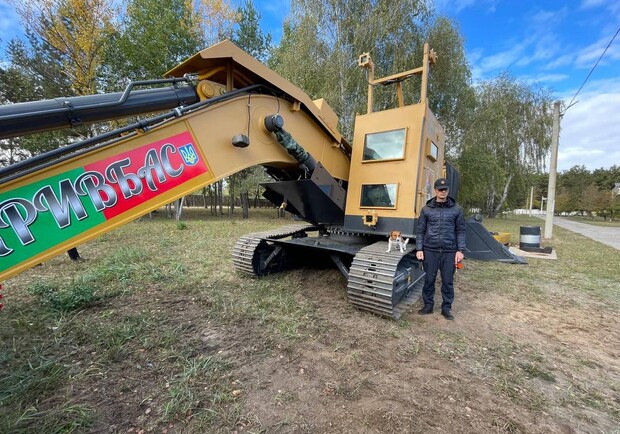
(219, 112)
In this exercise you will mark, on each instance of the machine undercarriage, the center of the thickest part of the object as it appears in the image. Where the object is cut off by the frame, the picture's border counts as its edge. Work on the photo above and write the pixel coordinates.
(381, 282)
(224, 112)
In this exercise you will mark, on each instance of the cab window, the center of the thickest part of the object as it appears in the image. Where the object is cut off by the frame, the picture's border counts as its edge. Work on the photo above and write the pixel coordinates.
(386, 145)
(379, 196)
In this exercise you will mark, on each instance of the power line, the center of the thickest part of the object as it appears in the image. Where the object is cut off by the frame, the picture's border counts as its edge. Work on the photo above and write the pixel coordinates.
(592, 70)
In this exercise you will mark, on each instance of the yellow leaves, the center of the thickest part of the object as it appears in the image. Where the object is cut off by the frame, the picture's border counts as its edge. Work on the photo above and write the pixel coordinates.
(216, 19)
(76, 30)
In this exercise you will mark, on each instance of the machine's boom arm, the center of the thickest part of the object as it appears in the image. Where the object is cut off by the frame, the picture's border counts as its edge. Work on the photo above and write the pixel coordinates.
(38, 116)
(51, 206)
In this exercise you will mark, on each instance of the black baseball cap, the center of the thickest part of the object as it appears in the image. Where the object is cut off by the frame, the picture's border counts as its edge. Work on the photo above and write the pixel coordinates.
(442, 184)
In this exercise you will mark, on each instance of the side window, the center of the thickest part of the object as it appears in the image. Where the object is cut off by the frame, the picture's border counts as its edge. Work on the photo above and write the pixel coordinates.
(432, 151)
(379, 195)
(386, 145)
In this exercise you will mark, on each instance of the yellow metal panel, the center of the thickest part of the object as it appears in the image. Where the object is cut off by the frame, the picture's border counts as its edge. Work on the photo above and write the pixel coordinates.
(399, 171)
(208, 130)
(430, 169)
(502, 237)
(247, 71)
(215, 127)
(328, 115)
(414, 174)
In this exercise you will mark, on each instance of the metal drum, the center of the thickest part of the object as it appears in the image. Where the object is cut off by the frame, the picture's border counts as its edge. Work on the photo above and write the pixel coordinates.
(529, 237)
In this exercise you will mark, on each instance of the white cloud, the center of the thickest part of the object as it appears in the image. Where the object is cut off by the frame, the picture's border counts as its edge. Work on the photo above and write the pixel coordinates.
(587, 56)
(541, 44)
(453, 7)
(565, 60)
(501, 60)
(590, 131)
(544, 78)
(542, 47)
(609, 5)
(544, 19)
(586, 4)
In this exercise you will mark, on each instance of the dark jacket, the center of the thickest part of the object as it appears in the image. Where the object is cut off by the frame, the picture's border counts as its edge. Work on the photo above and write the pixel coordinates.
(441, 227)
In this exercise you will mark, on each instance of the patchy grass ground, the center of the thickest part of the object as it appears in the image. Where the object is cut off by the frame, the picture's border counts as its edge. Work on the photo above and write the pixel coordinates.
(155, 332)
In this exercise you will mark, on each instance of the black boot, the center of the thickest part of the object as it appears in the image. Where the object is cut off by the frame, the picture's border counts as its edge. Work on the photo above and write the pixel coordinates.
(74, 255)
(426, 310)
(447, 314)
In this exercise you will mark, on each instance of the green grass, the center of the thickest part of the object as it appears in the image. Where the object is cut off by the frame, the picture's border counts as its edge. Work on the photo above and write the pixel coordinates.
(583, 265)
(156, 308)
(80, 293)
(197, 390)
(29, 376)
(113, 311)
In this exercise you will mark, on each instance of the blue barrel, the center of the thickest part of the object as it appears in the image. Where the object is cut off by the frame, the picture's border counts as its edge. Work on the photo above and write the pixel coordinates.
(529, 237)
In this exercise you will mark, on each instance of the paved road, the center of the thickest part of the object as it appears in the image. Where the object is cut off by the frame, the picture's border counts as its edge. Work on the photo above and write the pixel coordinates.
(606, 235)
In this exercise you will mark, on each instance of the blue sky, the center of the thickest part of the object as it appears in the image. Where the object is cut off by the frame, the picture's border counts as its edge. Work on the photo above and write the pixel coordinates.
(554, 43)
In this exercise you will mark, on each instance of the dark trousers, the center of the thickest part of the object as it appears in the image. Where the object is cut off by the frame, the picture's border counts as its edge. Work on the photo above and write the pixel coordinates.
(444, 262)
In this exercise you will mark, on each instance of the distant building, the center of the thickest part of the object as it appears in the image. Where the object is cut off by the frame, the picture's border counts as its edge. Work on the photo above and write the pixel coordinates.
(616, 190)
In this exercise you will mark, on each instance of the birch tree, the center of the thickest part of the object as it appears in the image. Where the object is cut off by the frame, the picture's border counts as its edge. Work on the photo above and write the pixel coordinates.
(507, 141)
(323, 38)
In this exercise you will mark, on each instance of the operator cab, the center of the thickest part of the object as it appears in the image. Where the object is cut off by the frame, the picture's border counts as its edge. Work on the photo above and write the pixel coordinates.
(397, 155)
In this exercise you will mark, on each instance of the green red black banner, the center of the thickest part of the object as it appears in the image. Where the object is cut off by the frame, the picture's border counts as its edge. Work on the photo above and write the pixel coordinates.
(38, 216)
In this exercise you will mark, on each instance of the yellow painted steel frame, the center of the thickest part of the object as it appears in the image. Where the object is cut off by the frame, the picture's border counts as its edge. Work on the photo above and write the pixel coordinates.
(423, 154)
(414, 174)
(177, 157)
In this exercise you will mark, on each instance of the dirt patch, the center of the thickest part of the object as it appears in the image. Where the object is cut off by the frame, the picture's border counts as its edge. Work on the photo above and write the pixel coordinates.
(185, 345)
(425, 374)
(501, 366)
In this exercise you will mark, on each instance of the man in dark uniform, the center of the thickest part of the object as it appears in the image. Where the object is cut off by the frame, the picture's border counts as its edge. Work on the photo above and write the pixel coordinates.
(440, 242)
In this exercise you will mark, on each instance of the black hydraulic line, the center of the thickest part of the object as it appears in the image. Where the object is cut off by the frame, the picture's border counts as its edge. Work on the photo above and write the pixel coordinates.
(61, 154)
(38, 116)
(117, 101)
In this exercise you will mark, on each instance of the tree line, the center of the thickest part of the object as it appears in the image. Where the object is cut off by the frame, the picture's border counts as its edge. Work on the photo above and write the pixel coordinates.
(498, 131)
(582, 191)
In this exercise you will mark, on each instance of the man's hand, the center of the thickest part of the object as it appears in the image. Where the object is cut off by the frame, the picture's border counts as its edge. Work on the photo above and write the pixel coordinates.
(420, 255)
(458, 257)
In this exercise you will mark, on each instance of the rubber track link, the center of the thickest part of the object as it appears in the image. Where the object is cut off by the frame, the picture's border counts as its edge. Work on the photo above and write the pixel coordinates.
(246, 246)
(377, 277)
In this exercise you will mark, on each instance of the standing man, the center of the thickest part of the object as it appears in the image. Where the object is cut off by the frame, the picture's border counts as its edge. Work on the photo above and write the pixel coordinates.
(440, 242)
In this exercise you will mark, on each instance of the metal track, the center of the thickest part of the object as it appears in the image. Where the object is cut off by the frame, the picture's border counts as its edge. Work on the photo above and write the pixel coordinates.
(245, 249)
(384, 283)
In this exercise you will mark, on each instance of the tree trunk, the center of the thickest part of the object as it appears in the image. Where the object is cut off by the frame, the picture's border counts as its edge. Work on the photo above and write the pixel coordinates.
(503, 198)
(489, 211)
(220, 194)
(245, 204)
(256, 198)
(231, 195)
(204, 197)
(212, 196)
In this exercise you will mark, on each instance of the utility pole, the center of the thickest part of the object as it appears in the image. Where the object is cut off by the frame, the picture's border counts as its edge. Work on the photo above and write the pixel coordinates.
(555, 138)
(531, 200)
